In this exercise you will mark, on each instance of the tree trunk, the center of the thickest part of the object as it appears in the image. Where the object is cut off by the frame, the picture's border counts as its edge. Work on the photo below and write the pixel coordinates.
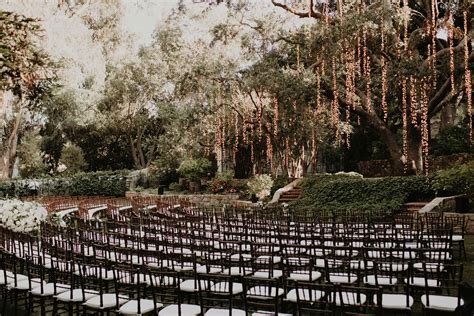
(9, 150)
(415, 154)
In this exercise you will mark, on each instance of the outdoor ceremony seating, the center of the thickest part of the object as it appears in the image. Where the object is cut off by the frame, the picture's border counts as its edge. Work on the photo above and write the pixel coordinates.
(173, 258)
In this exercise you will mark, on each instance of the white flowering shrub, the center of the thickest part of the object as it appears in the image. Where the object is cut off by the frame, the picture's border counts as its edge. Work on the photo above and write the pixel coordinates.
(22, 216)
(260, 185)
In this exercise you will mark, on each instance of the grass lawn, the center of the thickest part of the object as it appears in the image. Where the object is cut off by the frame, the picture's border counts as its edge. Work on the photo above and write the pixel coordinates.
(469, 262)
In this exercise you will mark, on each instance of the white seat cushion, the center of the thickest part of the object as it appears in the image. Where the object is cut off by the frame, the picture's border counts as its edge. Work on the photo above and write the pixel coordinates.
(264, 292)
(350, 298)
(162, 281)
(224, 312)
(108, 300)
(267, 259)
(245, 257)
(395, 301)
(442, 303)
(268, 274)
(342, 278)
(430, 266)
(360, 264)
(131, 307)
(223, 287)
(24, 284)
(420, 281)
(382, 280)
(76, 295)
(238, 271)
(393, 266)
(304, 276)
(305, 295)
(192, 285)
(48, 289)
(186, 310)
(212, 269)
(162, 264)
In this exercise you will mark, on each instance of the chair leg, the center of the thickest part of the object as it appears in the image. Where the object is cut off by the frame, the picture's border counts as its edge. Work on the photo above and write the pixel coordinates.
(55, 306)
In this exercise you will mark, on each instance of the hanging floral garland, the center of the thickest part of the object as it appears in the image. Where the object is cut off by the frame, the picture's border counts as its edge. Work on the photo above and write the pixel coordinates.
(405, 123)
(467, 76)
(368, 86)
(252, 158)
(260, 118)
(451, 52)
(318, 94)
(236, 139)
(424, 126)
(269, 148)
(434, 15)
(384, 78)
(275, 117)
(413, 102)
(335, 101)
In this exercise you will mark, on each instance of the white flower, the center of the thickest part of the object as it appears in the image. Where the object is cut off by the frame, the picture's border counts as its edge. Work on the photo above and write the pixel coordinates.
(21, 216)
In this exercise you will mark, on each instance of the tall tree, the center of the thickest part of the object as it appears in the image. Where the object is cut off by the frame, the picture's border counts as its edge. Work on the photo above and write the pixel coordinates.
(390, 66)
(25, 71)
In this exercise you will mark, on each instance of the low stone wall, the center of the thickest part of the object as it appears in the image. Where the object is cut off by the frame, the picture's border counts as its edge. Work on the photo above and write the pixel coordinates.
(203, 199)
(383, 168)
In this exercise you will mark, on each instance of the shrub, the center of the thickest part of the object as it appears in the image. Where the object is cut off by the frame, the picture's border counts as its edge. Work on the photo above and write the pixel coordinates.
(454, 181)
(219, 185)
(164, 171)
(98, 183)
(72, 157)
(176, 187)
(260, 185)
(195, 169)
(339, 193)
(278, 183)
(451, 140)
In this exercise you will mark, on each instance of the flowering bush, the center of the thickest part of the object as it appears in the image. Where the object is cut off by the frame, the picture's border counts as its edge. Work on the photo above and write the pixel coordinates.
(21, 216)
(219, 186)
(260, 185)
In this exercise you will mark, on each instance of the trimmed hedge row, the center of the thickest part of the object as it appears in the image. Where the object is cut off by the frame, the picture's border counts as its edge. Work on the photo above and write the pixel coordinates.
(335, 193)
(329, 193)
(100, 183)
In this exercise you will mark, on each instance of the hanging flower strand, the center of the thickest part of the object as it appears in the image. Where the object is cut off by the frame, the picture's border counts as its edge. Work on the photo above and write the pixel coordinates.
(467, 76)
(368, 83)
(451, 51)
(275, 117)
(405, 123)
(434, 15)
(384, 79)
(413, 100)
(424, 127)
(260, 119)
(236, 140)
(335, 101)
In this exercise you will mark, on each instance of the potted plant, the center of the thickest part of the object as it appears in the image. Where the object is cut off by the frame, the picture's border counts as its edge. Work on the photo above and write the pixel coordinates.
(194, 170)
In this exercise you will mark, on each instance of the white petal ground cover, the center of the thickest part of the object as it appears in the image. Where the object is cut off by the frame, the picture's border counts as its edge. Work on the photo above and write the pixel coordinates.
(22, 216)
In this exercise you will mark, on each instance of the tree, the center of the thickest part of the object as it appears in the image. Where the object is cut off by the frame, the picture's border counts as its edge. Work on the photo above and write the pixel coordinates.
(392, 67)
(25, 71)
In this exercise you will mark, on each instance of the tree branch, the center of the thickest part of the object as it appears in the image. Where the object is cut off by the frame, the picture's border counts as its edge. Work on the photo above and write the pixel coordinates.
(311, 13)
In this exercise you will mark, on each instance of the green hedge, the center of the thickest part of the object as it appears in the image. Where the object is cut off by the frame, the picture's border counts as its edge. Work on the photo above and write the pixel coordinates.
(100, 183)
(454, 181)
(329, 193)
